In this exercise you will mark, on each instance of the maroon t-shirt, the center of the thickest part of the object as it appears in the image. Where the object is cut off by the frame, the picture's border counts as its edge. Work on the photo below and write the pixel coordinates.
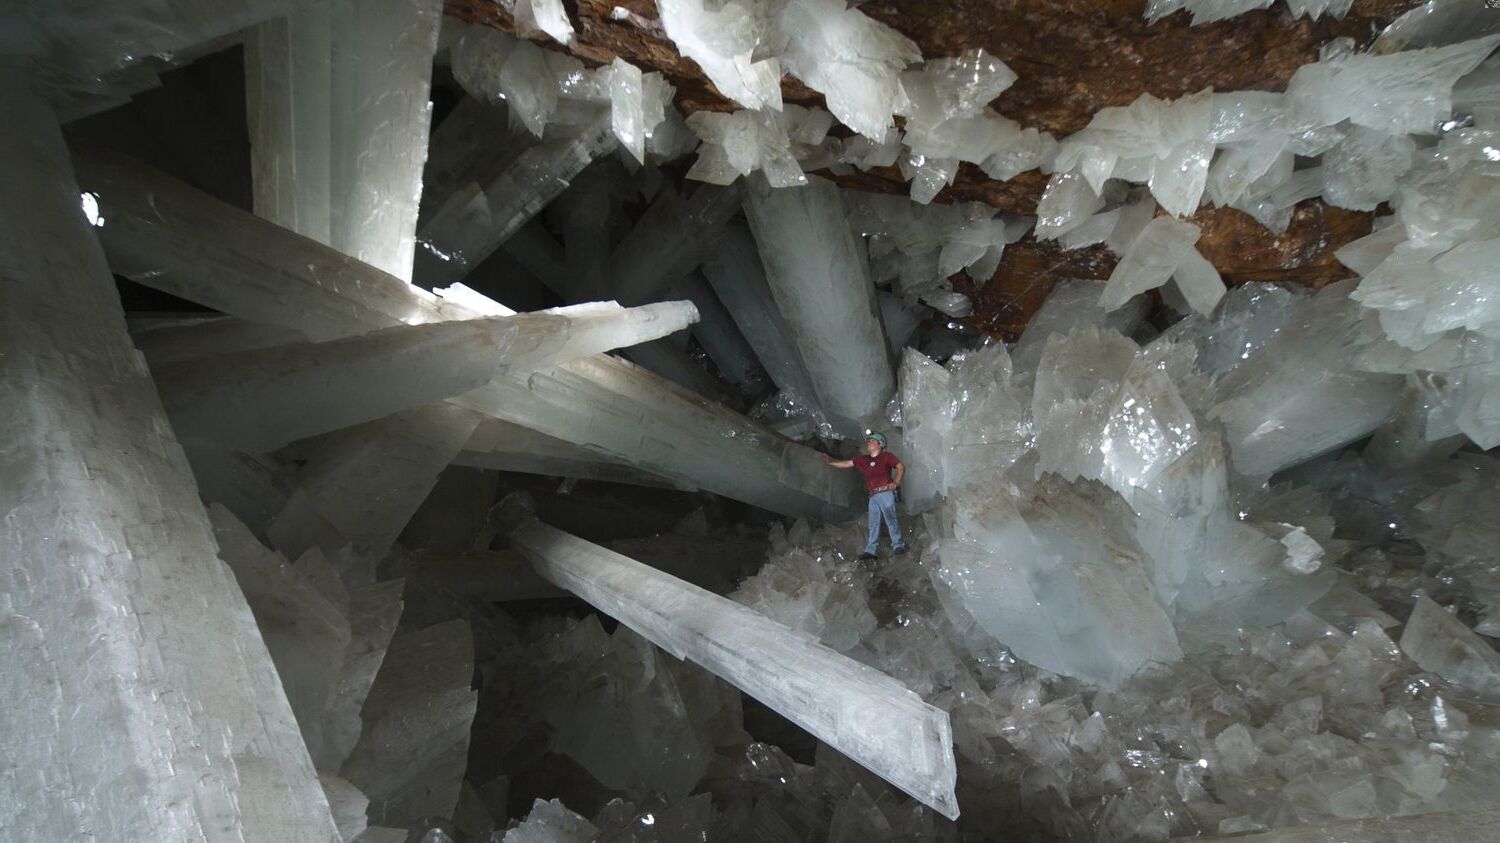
(877, 470)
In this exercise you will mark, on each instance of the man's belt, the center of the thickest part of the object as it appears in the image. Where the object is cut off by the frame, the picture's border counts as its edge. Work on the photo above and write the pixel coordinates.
(889, 487)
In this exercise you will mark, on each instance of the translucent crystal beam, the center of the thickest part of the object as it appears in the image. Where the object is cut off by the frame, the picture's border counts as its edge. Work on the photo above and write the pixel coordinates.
(67, 44)
(736, 275)
(856, 709)
(475, 220)
(818, 273)
(172, 237)
(261, 399)
(671, 239)
(141, 703)
(502, 446)
(337, 98)
(626, 413)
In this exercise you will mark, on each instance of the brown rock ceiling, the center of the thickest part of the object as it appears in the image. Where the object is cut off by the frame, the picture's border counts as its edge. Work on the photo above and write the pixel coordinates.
(1073, 58)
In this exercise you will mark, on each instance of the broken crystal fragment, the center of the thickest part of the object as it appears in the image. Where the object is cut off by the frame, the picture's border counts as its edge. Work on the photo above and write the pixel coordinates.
(361, 485)
(411, 756)
(1439, 642)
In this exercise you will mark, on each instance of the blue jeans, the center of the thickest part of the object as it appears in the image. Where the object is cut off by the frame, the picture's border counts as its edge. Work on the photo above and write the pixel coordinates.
(883, 508)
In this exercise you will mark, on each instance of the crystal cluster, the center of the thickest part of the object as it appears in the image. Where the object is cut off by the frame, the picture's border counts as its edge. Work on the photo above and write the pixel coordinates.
(1355, 113)
(778, 144)
(723, 39)
(1208, 11)
(544, 88)
(1316, 719)
(917, 248)
(1101, 465)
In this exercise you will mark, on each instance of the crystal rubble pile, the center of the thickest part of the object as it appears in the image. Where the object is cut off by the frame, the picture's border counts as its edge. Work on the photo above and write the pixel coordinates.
(1319, 718)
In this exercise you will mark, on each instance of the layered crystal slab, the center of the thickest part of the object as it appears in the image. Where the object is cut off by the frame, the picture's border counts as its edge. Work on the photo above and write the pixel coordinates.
(141, 701)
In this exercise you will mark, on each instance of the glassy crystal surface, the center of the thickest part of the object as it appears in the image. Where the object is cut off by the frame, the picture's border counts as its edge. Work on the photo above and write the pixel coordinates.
(819, 276)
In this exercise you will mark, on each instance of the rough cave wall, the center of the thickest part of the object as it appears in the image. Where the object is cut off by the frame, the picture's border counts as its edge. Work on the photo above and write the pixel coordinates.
(1074, 57)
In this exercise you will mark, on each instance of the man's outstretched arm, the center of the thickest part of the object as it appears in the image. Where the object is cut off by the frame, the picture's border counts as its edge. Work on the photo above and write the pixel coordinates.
(833, 463)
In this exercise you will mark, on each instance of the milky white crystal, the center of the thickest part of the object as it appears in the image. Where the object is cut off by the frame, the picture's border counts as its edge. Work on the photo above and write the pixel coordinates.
(855, 62)
(723, 39)
(260, 399)
(142, 702)
(818, 273)
(1160, 252)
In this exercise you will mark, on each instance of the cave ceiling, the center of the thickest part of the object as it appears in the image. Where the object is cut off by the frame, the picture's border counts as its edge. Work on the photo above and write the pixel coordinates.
(1073, 57)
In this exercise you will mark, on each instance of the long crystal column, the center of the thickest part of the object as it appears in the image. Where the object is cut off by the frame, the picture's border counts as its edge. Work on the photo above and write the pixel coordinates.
(720, 337)
(735, 272)
(288, 109)
(172, 237)
(261, 399)
(856, 709)
(669, 241)
(820, 278)
(503, 446)
(623, 411)
(140, 701)
(337, 99)
(475, 220)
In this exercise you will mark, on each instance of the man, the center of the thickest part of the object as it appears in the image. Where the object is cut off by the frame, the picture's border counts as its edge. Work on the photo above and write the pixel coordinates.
(882, 472)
